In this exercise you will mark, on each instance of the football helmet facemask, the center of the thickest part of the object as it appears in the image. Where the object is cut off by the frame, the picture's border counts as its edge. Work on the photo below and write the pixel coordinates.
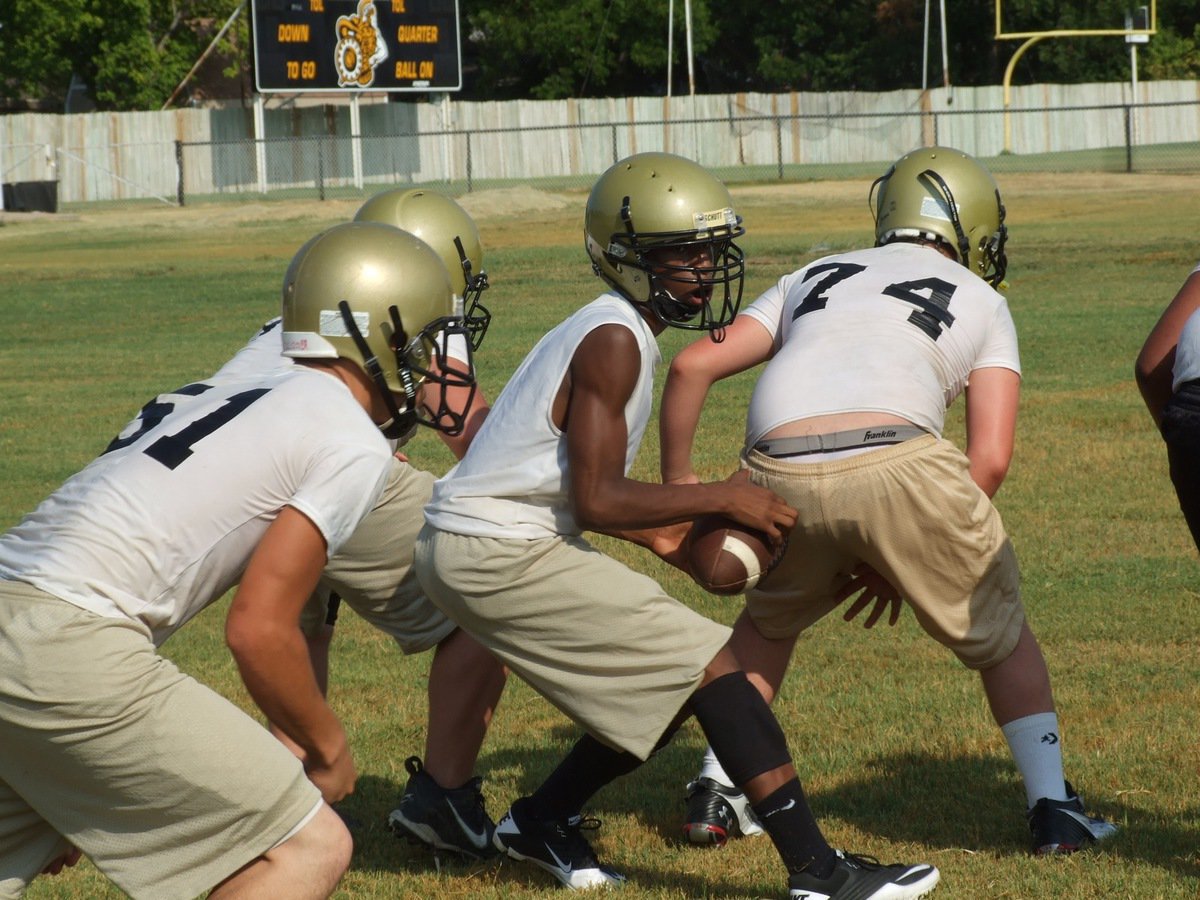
(656, 218)
(381, 298)
(446, 227)
(943, 195)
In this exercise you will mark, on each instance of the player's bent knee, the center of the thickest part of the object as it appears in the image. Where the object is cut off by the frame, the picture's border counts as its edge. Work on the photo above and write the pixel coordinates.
(332, 834)
(306, 866)
(318, 854)
(724, 663)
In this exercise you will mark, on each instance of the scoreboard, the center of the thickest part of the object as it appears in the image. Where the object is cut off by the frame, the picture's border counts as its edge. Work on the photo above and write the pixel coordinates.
(356, 45)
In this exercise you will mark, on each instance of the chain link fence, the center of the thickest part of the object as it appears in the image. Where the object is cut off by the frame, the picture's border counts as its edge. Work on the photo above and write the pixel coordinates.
(740, 149)
(740, 144)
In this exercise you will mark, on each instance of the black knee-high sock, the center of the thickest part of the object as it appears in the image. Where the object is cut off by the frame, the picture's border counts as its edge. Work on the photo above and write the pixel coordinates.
(589, 766)
(748, 741)
(786, 816)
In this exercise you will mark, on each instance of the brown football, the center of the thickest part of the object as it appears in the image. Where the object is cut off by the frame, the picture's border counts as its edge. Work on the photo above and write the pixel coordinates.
(726, 557)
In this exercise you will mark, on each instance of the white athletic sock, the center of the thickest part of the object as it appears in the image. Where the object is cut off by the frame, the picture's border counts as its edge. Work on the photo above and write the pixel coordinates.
(1037, 752)
(711, 768)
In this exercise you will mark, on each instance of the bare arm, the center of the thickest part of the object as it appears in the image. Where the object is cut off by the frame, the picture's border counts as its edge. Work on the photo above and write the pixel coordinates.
(668, 542)
(992, 396)
(601, 379)
(475, 411)
(263, 632)
(472, 405)
(1153, 367)
(693, 371)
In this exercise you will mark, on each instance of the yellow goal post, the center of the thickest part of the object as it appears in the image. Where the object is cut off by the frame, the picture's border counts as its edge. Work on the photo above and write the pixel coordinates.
(1139, 25)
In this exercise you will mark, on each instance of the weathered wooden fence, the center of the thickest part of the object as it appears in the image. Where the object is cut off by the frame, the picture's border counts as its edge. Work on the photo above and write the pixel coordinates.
(180, 155)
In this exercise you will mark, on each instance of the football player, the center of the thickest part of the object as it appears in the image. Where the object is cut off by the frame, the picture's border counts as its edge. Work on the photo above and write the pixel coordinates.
(105, 746)
(502, 552)
(1168, 375)
(864, 351)
(442, 806)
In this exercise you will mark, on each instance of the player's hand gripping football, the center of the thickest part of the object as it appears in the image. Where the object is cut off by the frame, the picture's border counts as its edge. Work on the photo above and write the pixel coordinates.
(669, 543)
(875, 589)
(756, 507)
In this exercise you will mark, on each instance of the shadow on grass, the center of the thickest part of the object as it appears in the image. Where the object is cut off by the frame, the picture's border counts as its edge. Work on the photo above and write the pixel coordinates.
(377, 850)
(972, 803)
(976, 803)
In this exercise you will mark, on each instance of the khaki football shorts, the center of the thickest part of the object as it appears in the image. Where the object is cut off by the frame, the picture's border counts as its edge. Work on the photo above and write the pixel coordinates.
(601, 642)
(166, 786)
(913, 513)
(373, 571)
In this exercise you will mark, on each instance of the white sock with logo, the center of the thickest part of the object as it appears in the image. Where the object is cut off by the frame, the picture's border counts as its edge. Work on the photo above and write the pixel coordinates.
(711, 768)
(1034, 742)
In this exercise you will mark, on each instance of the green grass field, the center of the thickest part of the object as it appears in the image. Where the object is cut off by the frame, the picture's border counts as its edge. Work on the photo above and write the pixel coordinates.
(892, 736)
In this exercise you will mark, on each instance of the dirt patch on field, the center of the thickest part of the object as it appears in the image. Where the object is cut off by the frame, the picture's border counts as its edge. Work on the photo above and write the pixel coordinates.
(36, 218)
(190, 218)
(1103, 183)
(502, 203)
(514, 201)
(804, 192)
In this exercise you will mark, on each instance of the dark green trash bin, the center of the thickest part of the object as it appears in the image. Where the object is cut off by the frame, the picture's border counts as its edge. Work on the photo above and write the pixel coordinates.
(31, 196)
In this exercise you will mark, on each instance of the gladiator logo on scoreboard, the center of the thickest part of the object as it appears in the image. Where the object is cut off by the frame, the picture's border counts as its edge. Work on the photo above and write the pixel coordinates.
(351, 45)
(359, 49)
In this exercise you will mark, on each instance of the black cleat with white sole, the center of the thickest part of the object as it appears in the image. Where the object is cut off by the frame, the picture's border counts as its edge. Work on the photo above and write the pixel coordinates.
(453, 820)
(863, 878)
(558, 846)
(1062, 826)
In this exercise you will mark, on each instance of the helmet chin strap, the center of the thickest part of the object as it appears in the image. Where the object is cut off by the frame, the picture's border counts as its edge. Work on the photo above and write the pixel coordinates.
(400, 424)
(670, 311)
(399, 429)
(668, 308)
(964, 246)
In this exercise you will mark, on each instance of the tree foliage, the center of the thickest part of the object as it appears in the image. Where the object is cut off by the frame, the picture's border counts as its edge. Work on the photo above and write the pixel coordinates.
(539, 48)
(1174, 56)
(549, 48)
(856, 44)
(132, 53)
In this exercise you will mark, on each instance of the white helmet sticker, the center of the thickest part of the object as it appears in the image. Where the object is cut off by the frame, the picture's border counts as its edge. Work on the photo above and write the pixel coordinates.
(935, 208)
(333, 325)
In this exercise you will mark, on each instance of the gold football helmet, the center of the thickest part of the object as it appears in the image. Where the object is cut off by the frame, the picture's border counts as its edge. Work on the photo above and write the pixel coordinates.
(651, 204)
(381, 298)
(446, 227)
(943, 195)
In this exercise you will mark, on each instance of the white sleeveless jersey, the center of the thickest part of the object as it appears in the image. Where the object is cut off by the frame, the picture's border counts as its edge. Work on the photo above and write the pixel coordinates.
(1187, 351)
(895, 329)
(165, 520)
(513, 480)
